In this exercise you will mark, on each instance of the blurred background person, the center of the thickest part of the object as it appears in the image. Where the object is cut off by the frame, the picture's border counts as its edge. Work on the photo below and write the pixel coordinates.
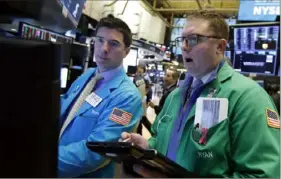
(170, 83)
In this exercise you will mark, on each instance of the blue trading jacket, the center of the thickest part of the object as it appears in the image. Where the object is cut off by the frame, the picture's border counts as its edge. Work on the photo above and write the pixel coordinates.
(94, 124)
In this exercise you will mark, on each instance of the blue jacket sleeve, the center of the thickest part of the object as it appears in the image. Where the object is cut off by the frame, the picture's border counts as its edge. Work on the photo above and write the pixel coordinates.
(75, 159)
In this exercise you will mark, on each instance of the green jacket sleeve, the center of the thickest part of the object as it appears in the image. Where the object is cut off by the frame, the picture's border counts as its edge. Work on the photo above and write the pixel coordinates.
(255, 145)
(152, 141)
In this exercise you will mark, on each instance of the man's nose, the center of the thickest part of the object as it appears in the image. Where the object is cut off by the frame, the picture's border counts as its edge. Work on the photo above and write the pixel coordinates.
(106, 47)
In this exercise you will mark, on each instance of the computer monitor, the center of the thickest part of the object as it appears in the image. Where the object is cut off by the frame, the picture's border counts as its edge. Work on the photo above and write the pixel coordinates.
(130, 59)
(160, 67)
(161, 73)
(131, 69)
(256, 48)
(74, 9)
(227, 53)
(31, 108)
(28, 31)
(258, 10)
(79, 54)
(63, 77)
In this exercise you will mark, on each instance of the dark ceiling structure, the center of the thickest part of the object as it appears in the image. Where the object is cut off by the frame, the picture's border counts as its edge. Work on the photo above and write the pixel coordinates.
(167, 10)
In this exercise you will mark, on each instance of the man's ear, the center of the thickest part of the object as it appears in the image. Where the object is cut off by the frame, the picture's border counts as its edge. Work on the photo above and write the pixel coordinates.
(127, 50)
(222, 46)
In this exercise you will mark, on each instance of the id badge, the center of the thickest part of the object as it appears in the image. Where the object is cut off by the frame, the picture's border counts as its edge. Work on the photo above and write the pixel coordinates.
(93, 99)
(210, 111)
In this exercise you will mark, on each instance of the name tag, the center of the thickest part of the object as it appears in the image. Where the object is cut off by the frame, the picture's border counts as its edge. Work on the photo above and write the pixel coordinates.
(210, 111)
(93, 99)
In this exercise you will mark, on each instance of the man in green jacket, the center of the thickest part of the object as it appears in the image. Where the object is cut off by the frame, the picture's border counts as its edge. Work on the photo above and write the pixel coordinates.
(237, 136)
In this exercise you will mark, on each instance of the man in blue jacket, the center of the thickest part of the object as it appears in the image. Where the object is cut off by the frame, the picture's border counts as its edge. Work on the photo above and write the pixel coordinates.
(100, 105)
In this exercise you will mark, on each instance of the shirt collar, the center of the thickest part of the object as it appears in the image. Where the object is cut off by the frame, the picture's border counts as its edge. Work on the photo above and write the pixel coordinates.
(211, 75)
(206, 77)
(110, 74)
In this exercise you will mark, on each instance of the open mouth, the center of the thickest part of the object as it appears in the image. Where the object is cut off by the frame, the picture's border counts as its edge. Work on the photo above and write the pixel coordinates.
(188, 60)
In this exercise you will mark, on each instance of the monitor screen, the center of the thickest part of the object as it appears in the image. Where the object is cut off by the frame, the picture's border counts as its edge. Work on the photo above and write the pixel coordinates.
(258, 10)
(130, 59)
(160, 67)
(28, 31)
(161, 73)
(256, 49)
(227, 53)
(74, 9)
(151, 66)
(131, 69)
(63, 77)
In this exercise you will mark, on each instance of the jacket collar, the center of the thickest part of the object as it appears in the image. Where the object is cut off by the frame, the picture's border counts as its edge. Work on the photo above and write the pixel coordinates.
(171, 86)
(109, 85)
(225, 73)
(103, 92)
(106, 88)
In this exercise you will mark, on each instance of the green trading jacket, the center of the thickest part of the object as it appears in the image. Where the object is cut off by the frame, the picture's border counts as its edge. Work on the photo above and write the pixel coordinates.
(243, 145)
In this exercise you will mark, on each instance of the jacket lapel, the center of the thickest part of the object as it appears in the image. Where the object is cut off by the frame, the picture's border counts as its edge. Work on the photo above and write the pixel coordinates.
(104, 91)
(76, 91)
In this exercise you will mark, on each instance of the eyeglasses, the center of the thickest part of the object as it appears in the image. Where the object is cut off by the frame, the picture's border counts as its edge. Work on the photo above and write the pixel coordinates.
(192, 40)
(112, 43)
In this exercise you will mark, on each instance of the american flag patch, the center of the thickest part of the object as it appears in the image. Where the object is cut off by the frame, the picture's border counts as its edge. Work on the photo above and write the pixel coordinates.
(272, 119)
(121, 117)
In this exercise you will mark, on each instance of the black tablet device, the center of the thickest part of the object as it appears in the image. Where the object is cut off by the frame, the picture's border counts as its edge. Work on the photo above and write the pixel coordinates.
(128, 152)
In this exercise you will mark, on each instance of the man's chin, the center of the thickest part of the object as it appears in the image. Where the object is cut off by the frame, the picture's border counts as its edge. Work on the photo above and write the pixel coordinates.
(101, 62)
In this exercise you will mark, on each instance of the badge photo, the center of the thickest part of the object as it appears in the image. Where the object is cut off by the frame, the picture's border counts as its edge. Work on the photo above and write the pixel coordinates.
(209, 112)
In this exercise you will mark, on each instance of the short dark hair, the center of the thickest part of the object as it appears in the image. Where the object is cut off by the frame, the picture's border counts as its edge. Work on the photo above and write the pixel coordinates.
(216, 22)
(116, 23)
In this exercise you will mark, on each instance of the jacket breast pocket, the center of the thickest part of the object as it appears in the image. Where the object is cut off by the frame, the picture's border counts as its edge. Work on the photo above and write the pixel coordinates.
(214, 152)
(214, 133)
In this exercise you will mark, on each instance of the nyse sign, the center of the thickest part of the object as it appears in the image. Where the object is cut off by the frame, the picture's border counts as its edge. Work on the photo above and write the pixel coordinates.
(259, 10)
(266, 10)
(266, 7)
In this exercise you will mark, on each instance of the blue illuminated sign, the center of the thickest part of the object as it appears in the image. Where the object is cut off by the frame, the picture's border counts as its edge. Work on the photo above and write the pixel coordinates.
(75, 8)
(259, 10)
